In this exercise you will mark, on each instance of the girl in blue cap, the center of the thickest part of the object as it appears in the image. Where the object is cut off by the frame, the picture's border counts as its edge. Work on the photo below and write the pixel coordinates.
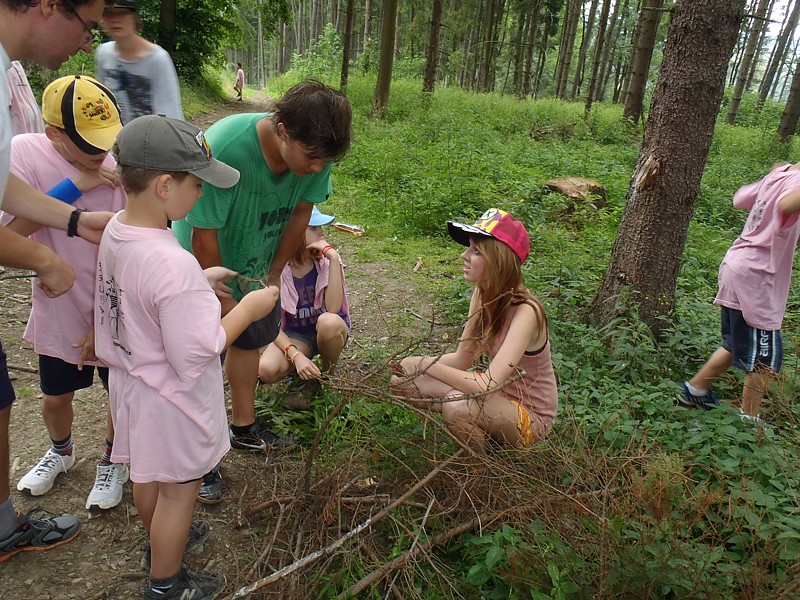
(315, 316)
(513, 400)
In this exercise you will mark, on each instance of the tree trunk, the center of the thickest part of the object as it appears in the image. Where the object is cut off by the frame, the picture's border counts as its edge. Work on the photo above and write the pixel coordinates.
(773, 69)
(609, 49)
(167, 13)
(792, 110)
(643, 269)
(386, 61)
(586, 39)
(759, 47)
(747, 58)
(533, 27)
(347, 43)
(640, 62)
(432, 52)
(571, 15)
(598, 52)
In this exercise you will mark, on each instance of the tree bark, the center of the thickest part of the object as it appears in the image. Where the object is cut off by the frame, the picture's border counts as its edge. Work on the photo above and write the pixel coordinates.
(586, 39)
(168, 11)
(609, 49)
(640, 62)
(643, 269)
(598, 53)
(432, 52)
(386, 62)
(791, 111)
(571, 15)
(347, 43)
(773, 68)
(744, 67)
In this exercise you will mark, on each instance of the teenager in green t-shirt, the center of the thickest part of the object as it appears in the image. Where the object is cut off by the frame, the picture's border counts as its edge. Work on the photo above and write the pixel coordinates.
(254, 227)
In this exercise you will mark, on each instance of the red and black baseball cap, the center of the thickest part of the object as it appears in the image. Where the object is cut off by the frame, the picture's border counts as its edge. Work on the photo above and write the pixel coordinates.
(498, 224)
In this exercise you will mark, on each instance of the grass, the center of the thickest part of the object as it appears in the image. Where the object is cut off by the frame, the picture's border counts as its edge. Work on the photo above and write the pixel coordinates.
(696, 505)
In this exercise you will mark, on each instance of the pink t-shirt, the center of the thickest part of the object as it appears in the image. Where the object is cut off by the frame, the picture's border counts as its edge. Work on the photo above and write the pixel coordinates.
(158, 329)
(757, 269)
(25, 114)
(239, 79)
(55, 324)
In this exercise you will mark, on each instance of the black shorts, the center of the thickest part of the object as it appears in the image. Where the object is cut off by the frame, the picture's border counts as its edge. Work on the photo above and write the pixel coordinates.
(753, 349)
(57, 377)
(262, 332)
(6, 389)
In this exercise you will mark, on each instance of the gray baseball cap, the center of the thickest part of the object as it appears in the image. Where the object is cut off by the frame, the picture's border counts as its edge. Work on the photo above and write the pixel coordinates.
(160, 143)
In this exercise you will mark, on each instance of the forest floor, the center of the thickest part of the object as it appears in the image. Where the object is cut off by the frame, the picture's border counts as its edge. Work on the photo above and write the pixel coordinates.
(103, 562)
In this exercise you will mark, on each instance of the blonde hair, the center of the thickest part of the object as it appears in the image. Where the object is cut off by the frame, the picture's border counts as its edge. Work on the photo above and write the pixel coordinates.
(500, 289)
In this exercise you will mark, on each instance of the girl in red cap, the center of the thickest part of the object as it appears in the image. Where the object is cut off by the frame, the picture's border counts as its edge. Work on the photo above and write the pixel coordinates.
(513, 400)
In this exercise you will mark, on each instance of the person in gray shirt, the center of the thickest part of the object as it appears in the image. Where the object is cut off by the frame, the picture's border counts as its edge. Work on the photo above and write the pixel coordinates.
(139, 72)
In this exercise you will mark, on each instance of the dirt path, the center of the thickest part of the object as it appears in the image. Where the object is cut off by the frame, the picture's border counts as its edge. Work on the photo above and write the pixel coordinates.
(104, 561)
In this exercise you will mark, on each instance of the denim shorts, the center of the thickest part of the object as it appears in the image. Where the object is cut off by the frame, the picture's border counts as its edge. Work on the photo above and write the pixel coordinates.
(262, 332)
(57, 377)
(753, 349)
(6, 389)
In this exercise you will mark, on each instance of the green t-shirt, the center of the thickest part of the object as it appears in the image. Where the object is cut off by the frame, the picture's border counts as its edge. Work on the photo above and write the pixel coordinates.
(250, 216)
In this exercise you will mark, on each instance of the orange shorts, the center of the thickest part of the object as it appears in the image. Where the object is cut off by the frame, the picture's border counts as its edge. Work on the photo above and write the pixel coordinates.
(532, 427)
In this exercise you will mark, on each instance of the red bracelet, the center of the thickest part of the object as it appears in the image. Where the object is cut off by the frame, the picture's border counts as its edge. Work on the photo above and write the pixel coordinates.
(326, 248)
(286, 351)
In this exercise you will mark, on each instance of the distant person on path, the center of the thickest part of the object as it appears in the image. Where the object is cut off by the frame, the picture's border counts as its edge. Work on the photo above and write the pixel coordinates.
(254, 227)
(46, 33)
(515, 399)
(754, 281)
(315, 316)
(25, 114)
(140, 73)
(239, 85)
(71, 160)
(159, 330)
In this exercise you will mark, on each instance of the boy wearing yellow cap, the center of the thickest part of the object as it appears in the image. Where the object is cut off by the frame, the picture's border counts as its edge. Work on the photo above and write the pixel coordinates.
(70, 161)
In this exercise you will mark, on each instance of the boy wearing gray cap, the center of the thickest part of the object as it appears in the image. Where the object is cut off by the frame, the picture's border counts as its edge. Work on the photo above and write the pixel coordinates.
(158, 328)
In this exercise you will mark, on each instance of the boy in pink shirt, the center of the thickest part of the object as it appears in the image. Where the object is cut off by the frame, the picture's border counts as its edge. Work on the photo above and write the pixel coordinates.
(71, 160)
(159, 330)
(754, 283)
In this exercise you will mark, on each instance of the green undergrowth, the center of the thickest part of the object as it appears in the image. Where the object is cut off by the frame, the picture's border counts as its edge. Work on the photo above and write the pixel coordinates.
(630, 496)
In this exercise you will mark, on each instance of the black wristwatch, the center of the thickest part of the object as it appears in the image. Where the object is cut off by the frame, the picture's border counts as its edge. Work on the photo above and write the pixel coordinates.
(72, 226)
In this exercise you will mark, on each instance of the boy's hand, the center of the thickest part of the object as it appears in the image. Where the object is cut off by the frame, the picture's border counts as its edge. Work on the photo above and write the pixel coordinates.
(87, 348)
(91, 225)
(217, 276)
(305, 367)
(87, 180)
(55, 275)
(261, 302)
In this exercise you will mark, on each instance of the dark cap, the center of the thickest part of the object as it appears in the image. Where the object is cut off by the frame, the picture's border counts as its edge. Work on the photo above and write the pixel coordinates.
(159, 143)
(126, 5)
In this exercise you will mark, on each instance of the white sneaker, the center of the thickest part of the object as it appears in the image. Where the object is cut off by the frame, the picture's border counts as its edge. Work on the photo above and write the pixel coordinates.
(108, 484)
(39, 480)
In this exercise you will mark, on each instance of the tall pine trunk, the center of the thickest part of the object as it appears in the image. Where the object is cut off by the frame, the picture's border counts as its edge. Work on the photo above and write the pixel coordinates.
(386, 61)
(432, 51)
(747, 58)
(598, 53)
(643, 270)
(640, 63)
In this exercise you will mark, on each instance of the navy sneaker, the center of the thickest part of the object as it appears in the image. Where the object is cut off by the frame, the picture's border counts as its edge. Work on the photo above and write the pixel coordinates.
(706, 402)
(259, 438)
(191, 585)
(211, 488)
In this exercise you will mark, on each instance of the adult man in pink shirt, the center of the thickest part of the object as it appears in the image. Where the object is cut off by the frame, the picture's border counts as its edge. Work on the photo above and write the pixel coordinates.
(754, 283)
(46, 32)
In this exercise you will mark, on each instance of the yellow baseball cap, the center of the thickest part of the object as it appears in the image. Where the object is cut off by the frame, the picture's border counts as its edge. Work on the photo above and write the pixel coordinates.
(85, 109)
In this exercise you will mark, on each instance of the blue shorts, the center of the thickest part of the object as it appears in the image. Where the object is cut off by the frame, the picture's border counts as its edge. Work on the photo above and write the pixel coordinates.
(6, 389)
(57, 377)
(260, 333)
(309, 338)
(753, 349)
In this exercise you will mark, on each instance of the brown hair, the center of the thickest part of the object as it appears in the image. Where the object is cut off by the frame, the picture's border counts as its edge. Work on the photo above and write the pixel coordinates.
(135, 179)
(24, 5)
(500, 289)
(318, 116)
